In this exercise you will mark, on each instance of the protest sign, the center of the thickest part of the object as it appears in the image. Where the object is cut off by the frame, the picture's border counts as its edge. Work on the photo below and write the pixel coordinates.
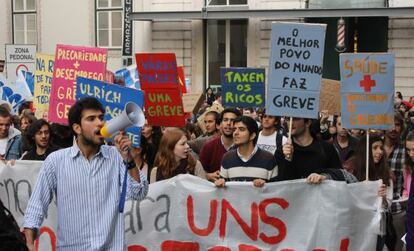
(330, 98)
(71, 62)
(164, 107)
(181, 79)
(19, 57)
(42, 86)
(191, 214)
(113, 98)
(192, 102)
(128, 77)
(367, 90)
(242, 87)
(295, 69)
(11, 94)
(157, 70)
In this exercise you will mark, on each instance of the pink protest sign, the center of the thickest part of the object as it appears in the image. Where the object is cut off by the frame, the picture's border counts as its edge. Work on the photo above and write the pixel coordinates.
(71, 62)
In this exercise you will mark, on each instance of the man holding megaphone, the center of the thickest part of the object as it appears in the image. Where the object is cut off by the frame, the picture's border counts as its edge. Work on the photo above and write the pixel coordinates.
(86, 180)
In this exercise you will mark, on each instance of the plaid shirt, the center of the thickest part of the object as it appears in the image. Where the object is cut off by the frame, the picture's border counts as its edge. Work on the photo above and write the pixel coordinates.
(396, 161)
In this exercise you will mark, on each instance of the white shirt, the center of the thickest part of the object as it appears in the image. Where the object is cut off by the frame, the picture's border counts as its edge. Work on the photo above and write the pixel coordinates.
(3, 145)
(268, 143)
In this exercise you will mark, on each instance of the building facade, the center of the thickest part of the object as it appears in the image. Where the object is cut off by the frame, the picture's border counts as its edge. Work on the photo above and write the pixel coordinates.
(203, 45)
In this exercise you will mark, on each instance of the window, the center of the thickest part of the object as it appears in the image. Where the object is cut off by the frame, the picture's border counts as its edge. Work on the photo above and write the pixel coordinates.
(24, 22)
(226, 47)
(109, 23)
(226, 2)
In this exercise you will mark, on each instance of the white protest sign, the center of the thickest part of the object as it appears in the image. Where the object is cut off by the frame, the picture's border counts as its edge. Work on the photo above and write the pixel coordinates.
(295, 69)
(19, 57)
(14, 95)
(188, 213)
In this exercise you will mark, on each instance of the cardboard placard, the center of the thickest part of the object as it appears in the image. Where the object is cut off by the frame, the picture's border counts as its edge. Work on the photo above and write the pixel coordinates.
(367, 91)
(243, 87)
(330, 97)
(43, 84)
(164, 107)
(113, 98)
(157, 70)
(71, 62)
(295, 69)
(193, 101)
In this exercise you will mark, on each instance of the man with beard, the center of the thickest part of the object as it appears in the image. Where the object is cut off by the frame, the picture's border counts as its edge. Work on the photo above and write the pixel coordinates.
(304, 156)
(38, 135)
(248, 162)
(395, 151)
(212, 152)
(86, 180)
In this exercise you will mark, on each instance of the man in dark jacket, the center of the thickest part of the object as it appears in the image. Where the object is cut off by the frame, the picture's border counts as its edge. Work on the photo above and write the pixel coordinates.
(304, 155)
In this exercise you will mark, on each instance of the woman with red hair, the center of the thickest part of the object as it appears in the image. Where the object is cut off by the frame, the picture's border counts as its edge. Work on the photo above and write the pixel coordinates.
(174, 157)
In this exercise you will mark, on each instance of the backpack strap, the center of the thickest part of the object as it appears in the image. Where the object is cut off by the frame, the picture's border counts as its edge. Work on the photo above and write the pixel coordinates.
(279, 138)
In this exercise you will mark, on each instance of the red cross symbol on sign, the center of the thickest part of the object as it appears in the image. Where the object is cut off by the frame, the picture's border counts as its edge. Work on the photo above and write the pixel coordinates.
(367, 83)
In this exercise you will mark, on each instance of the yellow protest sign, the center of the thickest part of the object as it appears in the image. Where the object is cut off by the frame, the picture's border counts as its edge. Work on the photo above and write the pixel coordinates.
(42, 84)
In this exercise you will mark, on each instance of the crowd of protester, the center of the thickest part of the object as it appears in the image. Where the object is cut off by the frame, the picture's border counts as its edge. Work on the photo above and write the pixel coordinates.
(251, 145)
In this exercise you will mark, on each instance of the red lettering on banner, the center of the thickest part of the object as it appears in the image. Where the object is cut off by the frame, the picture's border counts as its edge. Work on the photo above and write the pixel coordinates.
(211, 220)
(179, 246)
(52, 237)
(273, 221)
(137, 248)
(219, 248)
(344, 245)
(251, 231)
(172, 245)
(244, 247)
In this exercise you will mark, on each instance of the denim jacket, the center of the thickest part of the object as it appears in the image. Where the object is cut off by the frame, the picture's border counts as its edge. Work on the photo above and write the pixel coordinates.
(13, 148)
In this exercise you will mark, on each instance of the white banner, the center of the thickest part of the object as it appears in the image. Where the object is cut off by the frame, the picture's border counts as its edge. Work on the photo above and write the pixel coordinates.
(187, 213)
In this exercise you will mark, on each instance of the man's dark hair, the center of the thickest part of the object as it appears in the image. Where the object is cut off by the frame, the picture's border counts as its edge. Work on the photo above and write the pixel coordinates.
(75, 112)
(23, 106)
(251, 125)
(229, 110)
(278, 124)
(4, 112)
(34, 128)
(216, 116)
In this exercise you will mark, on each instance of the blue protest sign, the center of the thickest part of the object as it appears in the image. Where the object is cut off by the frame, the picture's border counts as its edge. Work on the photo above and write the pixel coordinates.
(113, 98)
(295, 103)
(295, 68)
(367, 90)
(367, 72)
(242, 87)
